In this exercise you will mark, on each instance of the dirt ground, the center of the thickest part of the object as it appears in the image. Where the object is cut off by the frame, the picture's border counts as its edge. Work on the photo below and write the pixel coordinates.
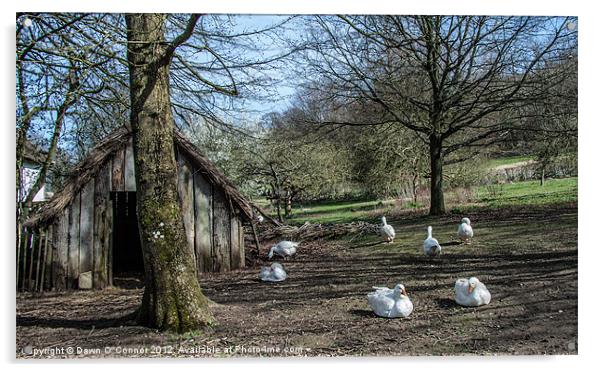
(527, 258)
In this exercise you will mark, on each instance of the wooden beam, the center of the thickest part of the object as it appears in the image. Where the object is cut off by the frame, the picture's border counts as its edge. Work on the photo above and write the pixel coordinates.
(102, 227)
(34, 239)
(60, 251)
(117, 177)
(86, 227)
(129, 173)
(203, 223)
(73, 261)
(234, 241)
(36, 283)
(46, 262)
(186, 194)
(221, 232)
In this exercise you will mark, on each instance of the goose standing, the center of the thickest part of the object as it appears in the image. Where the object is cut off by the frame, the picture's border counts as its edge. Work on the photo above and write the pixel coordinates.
(283, 249)
(387, 231)
(390, 303)
(465, 232)
(471, 292)
(431, 245)
(274, 273)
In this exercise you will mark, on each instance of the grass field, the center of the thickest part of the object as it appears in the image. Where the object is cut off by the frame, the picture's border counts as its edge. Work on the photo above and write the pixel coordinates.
(530, 193)
(492, 163)
(554, 191)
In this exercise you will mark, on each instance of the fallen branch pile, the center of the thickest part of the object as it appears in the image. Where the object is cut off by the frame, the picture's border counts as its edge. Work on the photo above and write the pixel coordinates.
(310, 231)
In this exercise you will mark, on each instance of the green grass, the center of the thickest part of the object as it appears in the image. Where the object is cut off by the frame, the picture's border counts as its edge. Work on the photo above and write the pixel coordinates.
(338, 212)
(554, 191)
(529, 193)
(492, 163)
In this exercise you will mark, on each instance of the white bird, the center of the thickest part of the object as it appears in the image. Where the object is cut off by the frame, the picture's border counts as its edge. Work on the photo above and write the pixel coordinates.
(283, 249)
(431, 245)
(259, 218)
(471, 292)
(390, 303)
(465, 232)
(274, 273)
(387, 231)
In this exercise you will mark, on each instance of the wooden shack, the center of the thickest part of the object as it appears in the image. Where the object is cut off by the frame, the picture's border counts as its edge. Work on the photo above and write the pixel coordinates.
(90, 225)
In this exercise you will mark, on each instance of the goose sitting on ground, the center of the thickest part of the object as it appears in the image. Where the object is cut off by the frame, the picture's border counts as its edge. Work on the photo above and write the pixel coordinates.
(431, 245)
(387, 231)
(274, 273)
(465, 232)
(284, 249)
(471, 292)
(390, 303)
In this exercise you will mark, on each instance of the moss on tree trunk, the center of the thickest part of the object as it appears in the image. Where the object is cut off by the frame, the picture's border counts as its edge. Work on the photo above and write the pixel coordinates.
(172, 298)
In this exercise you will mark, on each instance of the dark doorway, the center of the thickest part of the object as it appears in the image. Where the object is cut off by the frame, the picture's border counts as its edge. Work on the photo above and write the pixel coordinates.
(128, 265)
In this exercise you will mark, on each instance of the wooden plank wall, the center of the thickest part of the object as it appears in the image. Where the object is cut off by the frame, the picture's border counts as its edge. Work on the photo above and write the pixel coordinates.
(103, 221)
(203, 222)
(81, 239)
(117, 177)
(221, 232)
(60, 251)
(86, 227)
(129, 173)
(82, 235)
(235, 262)
(186, 193)
(73, 255)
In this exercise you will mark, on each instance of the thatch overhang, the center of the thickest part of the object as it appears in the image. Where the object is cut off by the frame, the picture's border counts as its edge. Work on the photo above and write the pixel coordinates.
(89, 167)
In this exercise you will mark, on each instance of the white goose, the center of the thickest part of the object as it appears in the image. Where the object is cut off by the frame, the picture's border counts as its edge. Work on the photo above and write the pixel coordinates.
(465, 232)
(274, 273)
(387, 231)
(390, 303)
(431, 245)
(283, 249)
(471, 292)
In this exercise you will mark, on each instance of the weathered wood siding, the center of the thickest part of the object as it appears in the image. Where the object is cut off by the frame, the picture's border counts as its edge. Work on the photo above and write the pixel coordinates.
(221, 232)
(60, 251)
(234, 243)
(203, 222)
(86, 227)
(81, 239)
(103, 220)
(73, 256)
(186, 193)
(118, 164)
(129, 171)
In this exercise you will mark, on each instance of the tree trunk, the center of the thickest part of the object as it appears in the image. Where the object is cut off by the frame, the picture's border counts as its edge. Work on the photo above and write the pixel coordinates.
(288, 207)
(172, 298)
(437, 201)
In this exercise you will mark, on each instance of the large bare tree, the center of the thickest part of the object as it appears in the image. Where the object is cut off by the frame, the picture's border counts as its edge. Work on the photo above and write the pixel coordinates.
(457, 81)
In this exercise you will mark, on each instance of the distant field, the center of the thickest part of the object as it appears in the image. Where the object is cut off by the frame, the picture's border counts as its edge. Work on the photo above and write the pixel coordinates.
(554, 191)
(492, 163)
(529, 193)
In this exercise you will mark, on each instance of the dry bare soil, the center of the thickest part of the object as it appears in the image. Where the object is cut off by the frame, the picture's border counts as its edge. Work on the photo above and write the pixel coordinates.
(527, 257)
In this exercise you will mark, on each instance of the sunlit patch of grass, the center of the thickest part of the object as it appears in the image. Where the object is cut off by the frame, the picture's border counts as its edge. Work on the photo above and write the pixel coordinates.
(339, 212)
(492, 163)
(553, 191)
